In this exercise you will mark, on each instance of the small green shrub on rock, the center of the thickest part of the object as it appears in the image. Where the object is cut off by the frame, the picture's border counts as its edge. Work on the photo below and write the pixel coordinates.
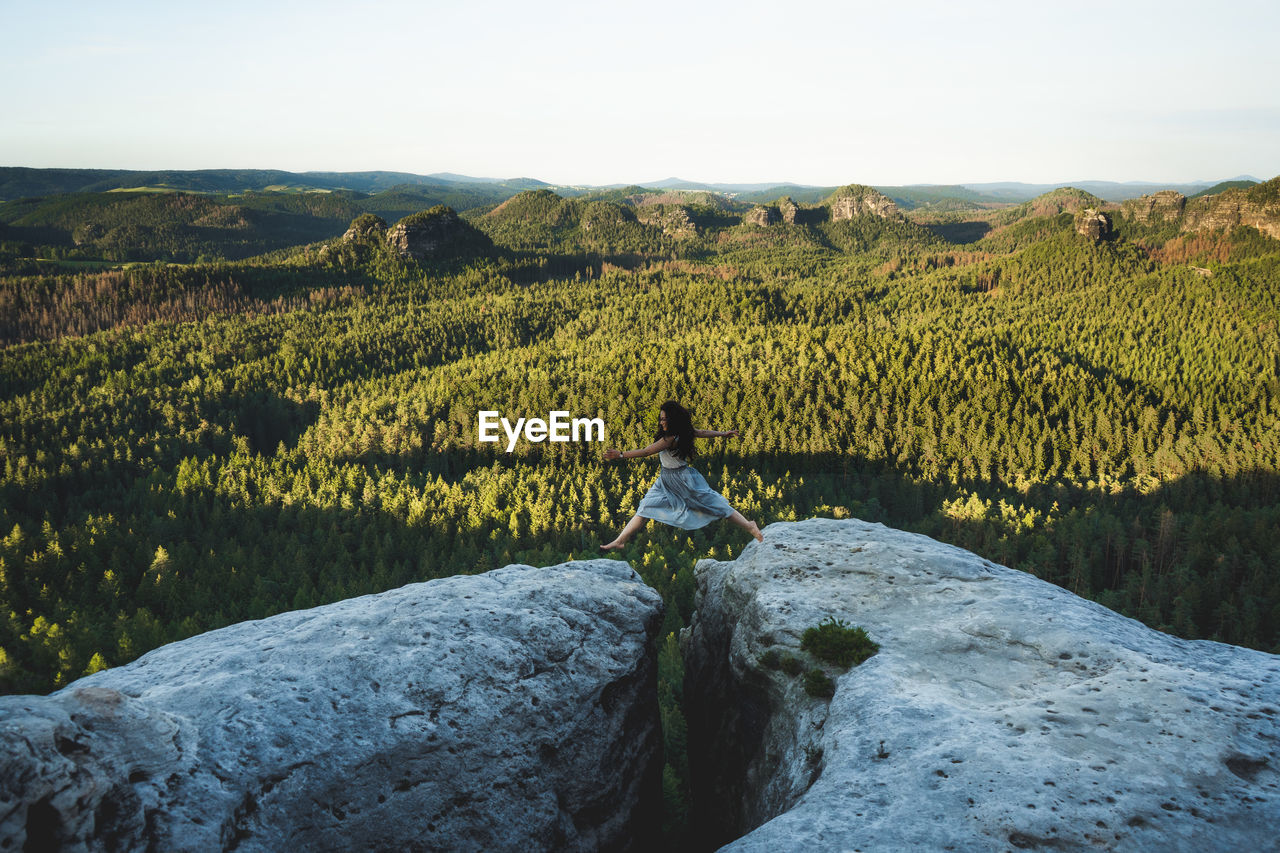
(834, 641)
(791, 665)
(771, 659)
(818, 685)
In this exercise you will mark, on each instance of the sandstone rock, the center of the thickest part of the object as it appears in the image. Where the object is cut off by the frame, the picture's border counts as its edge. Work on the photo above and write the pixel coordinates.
(431, 232)
(1257, 207)
(1093, 224)
(857, 200)
(788, 210)
(762, 215)
(675, 220)
(1164, 206)
(514, 710)
(1001, 712)
(364, 226)
(678, 222)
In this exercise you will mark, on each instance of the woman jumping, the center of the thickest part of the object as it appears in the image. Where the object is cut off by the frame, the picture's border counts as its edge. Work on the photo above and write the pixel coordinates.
(680, 496)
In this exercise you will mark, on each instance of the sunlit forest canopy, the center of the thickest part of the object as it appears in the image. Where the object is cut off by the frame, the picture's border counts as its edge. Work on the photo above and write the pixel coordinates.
(190, 443)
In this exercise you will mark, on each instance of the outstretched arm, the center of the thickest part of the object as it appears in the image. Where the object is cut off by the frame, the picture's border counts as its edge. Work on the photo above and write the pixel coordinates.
(660, 444)
(711, 433)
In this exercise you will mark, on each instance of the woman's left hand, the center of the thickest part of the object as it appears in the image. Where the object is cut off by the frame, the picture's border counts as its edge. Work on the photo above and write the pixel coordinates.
(612, 453)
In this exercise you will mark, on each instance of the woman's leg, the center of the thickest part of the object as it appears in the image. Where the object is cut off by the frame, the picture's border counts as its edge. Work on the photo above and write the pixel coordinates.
(633, 525)
(749, 526)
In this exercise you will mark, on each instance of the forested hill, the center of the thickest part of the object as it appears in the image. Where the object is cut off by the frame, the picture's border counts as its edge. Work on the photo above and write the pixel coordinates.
(18, 182)
(187, 227)
(187, 446)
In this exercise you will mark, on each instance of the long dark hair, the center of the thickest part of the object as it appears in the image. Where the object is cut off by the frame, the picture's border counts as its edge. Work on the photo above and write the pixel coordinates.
(679, 424)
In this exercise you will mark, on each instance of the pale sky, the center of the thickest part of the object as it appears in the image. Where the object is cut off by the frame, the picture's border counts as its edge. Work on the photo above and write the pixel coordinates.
(593, 93)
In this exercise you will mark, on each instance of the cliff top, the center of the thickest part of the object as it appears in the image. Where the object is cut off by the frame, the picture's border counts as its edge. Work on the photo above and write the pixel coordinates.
(1001, 710)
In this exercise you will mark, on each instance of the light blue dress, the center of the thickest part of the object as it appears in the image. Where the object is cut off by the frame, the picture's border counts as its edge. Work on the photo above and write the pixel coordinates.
(681, 497)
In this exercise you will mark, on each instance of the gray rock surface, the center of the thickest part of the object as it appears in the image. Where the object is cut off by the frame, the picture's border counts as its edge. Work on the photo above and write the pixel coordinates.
(1001, 712)
(514, 710)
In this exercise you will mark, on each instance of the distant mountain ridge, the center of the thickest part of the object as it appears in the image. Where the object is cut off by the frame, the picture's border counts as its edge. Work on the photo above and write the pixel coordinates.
(1107, 190)
(20, 181)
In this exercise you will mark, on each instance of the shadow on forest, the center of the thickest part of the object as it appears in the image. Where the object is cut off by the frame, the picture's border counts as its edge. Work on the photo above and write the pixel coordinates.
(266, 419)
(710, 218)
(961, 232)
(813, 215)
(880, 491)
(901, 497)
(238, 557)
(526, 268)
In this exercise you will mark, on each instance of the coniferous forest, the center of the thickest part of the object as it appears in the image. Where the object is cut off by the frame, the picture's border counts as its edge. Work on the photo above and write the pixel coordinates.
(214, 409)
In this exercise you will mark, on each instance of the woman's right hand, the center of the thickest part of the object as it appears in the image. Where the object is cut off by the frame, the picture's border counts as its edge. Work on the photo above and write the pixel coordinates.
(612, 453)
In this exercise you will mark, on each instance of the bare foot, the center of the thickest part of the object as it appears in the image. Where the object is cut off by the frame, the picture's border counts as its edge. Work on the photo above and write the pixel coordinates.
(754, 529)
(615, 545)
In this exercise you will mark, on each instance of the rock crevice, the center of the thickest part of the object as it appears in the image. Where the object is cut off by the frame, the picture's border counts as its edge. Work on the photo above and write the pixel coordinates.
(1001, 711)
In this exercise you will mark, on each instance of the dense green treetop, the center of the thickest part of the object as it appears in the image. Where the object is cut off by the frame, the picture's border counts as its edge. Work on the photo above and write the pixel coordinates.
(1061, 200)
(187, 446)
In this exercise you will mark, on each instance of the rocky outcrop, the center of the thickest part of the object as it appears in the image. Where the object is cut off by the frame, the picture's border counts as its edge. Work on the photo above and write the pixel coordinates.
(433, 232)
(1258, 207)
(857, 200)
(1000, 713)
(1093, 224)
(514, 710)
(788, 210)
(763, 215)
(784, 210)
(1164, 206)
(675, 220)
(1062, 200)
(364, 227)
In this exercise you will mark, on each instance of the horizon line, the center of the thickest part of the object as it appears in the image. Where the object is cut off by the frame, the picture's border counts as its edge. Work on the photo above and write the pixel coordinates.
(447, 175)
